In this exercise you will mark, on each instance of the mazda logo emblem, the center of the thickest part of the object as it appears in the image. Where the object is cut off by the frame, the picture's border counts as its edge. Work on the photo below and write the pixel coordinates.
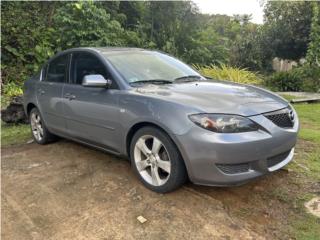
(291, 116)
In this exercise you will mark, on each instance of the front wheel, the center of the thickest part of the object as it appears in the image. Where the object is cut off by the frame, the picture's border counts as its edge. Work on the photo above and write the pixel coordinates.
(39, 131)
(157, 161)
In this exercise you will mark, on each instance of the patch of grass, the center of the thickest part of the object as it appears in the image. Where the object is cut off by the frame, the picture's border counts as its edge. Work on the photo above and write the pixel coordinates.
(308, 164)
(309, 114)
(314, 158)
(14, 134)
(288, 97)
(308, 160)
(281, 194)
(313, 163)
(305, 226)
(309, 134)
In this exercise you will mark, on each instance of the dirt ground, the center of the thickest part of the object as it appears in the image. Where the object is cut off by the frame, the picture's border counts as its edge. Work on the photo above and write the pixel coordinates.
(68, 191)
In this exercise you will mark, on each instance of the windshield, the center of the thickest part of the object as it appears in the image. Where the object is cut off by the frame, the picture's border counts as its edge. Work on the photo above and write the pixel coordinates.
(144, 66)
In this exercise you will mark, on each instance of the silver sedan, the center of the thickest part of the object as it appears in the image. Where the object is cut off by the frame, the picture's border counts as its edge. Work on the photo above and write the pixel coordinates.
(170, 121)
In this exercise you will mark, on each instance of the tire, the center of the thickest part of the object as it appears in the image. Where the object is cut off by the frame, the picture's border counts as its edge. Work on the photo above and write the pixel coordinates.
(37, 125)
(151, 153)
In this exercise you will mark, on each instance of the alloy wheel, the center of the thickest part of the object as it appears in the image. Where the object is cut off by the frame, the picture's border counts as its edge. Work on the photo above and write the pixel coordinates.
(152, 160)
(36, 126)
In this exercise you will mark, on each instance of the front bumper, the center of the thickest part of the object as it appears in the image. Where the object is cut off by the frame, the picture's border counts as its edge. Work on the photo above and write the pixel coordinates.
(232, 159)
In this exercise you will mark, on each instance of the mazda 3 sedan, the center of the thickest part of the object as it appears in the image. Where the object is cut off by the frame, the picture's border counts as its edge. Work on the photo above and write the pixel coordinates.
(170, 121)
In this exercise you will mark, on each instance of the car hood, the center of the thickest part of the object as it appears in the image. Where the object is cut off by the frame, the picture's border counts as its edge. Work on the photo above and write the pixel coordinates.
(216, 97)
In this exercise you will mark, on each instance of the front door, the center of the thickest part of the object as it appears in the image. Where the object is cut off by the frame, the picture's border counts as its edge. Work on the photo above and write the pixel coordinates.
(49, 93)
(92, 113)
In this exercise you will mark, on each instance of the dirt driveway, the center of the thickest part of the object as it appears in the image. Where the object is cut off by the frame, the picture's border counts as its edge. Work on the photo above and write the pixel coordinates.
(68, 191)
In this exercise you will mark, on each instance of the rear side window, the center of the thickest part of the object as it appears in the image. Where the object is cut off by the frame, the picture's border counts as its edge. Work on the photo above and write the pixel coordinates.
(58, 70)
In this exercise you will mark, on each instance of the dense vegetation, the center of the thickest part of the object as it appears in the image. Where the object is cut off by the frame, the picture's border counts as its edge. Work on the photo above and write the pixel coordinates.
(34, 31)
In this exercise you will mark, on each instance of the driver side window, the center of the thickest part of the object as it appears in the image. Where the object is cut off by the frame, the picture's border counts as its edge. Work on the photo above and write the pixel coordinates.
(86, 64)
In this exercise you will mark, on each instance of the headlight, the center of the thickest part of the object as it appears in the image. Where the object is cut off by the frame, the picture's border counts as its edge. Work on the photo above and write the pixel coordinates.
(222, 123)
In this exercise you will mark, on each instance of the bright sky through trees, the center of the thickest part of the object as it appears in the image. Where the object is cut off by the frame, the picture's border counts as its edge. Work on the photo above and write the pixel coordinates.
(231, 7)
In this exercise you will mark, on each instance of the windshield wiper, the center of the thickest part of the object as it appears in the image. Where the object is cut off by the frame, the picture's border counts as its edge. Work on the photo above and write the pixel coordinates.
(153, 81)
(188, 78)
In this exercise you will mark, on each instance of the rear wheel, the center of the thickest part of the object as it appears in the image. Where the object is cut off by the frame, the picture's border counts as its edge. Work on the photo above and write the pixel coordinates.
(39, 131)
(156, 160)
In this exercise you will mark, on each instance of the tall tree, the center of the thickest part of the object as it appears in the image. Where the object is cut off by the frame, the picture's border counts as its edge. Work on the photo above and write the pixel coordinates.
(313, 54)
(288, 27)
(134, 12)
(85, 24)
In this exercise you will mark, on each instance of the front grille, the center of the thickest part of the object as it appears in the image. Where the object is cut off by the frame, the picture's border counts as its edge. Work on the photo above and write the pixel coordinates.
(271, 161)
(282, 118)
(234, 168)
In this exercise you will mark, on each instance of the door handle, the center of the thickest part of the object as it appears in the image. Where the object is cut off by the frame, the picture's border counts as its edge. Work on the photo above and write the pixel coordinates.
(41, 92)
(70, 96)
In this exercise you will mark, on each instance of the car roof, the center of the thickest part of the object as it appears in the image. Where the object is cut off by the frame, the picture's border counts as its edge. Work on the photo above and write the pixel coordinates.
(105, 49)
(116, 49)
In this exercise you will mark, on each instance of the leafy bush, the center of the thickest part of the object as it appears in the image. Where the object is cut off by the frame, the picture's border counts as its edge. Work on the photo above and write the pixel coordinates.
(230, 73)
(12, 89)
(305, 78)
(285, 81)
(311, 78)
(8, 91)
(26, 38)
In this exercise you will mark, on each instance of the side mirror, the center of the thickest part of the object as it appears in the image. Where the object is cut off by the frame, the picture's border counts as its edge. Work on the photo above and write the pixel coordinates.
(96, 80)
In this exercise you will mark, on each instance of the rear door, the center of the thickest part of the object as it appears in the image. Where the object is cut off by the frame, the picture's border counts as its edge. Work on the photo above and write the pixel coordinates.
(49, 93)
(92, 113)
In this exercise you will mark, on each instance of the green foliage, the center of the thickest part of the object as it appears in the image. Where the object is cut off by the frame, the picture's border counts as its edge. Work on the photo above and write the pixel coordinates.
(230, 74)
(287, 27)
(246, 45)
(208, 49)
(34, 31)
(84, 24)
(303, 78)
(243, 43)
(285, 81)
(26, 38)
(313, 54)
(311, 70)
(311, 78)
(169, 25)
(12, 89)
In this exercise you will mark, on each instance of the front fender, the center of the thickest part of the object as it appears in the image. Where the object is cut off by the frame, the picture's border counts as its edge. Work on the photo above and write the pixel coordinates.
(136, 109)
(170, 116)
